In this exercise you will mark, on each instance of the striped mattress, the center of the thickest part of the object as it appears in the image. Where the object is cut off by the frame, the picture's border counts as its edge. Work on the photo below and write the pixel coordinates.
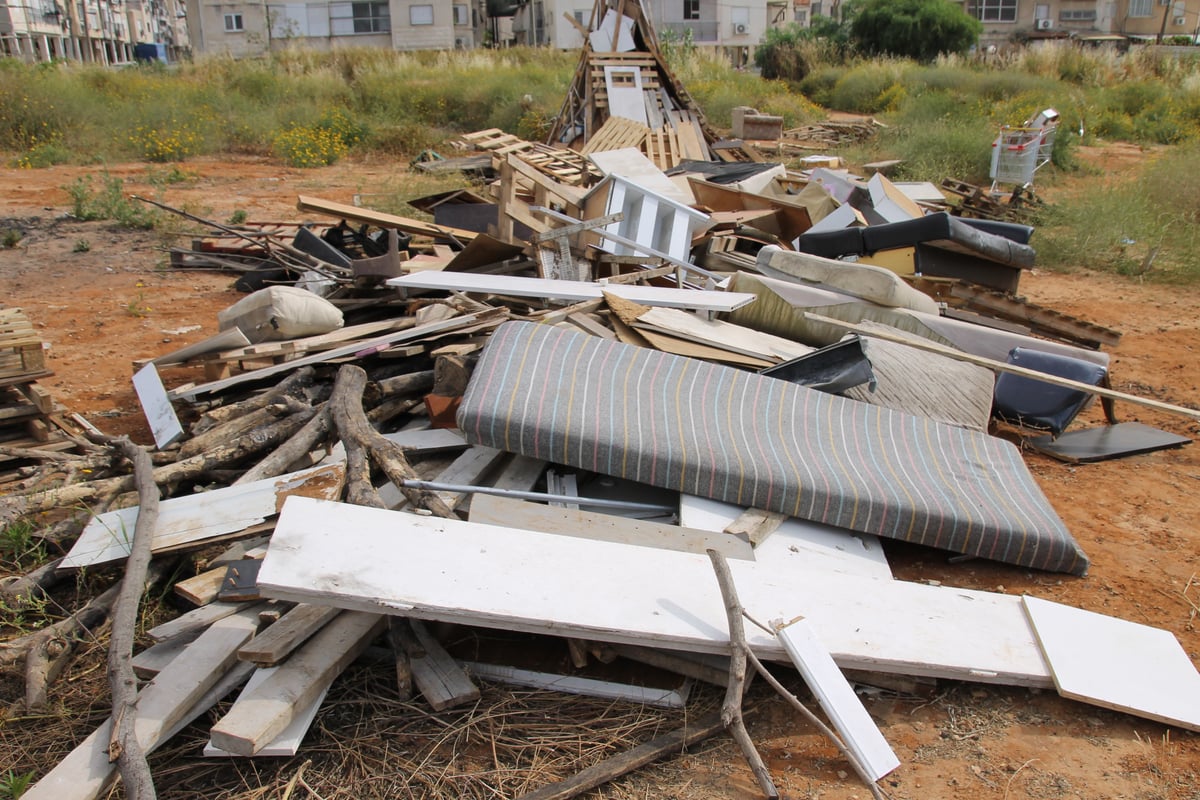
(714, 431)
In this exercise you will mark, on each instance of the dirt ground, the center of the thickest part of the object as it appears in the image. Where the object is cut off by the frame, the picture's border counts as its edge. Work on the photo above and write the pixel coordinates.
(102, 305)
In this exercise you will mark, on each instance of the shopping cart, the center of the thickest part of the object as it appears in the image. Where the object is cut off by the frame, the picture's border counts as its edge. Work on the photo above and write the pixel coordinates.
(1018, 153)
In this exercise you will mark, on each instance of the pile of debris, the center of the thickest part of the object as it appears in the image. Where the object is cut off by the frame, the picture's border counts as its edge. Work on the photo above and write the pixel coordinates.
(631, 398)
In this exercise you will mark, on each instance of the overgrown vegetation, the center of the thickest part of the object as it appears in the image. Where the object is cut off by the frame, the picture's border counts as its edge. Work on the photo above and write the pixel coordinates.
(108, 202)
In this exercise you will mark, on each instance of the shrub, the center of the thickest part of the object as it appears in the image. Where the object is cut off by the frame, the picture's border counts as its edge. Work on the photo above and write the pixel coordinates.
(308, 146)
(864, 88)
(917, 29)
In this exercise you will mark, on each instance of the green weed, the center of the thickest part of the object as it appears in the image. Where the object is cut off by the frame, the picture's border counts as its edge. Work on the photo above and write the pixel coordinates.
(109, 202)
(19, 546)
(81, 246)
(12, 237)
(13, 785)
(238, 217)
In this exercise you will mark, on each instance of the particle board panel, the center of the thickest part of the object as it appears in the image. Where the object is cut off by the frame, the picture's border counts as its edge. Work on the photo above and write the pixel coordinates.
(497, 577)
(574, 291)
(1117, 664)
(805, 545)
(190, 519)
(837, 698)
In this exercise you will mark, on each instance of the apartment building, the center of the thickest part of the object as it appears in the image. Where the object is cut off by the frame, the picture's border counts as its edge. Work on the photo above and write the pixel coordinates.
(101, 31)
(252, 29)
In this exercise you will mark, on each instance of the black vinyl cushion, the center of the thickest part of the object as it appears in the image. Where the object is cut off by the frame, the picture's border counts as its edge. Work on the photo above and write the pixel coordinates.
(1036, 404)
(833, 244)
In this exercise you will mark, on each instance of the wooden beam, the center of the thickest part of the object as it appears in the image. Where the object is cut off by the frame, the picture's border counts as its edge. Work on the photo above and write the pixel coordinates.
(755, 524)
(438, 677)
(1000, 366)
(278, 641)
(259, 716)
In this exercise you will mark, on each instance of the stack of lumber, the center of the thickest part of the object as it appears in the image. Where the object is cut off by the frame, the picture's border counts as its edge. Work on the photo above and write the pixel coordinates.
(830, 134)
(29, 416)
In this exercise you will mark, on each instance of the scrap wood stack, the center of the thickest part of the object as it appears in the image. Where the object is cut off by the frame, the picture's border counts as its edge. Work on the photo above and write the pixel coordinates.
(480, 442)
(30, 419)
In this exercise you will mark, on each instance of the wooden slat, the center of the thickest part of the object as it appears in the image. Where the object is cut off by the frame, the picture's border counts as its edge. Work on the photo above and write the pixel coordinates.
(260, 715)
(493, 510)
(278, 641)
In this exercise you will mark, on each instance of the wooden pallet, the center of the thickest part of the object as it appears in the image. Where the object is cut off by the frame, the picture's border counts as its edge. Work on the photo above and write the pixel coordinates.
(21, 349)
(617, 133)
(661, 145)
(980, 203)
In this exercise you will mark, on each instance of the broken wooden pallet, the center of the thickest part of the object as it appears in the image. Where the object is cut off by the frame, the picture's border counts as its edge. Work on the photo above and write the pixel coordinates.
(21, 349)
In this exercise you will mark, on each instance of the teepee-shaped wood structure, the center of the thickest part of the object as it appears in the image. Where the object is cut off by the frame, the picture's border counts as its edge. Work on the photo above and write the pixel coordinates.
(623, 92)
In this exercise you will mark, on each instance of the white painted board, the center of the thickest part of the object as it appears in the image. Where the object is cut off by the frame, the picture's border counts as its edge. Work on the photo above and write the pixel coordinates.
(288, 742)
(429, 568)
(845, 711)
(797, 543)
(601, 39)
(575, 291)
(160, 414)
(624, 85)
(575, 684)
(194, 518)
(1117, 664)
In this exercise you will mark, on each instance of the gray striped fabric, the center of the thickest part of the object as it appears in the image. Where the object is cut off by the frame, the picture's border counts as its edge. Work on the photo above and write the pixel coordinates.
(714, 431)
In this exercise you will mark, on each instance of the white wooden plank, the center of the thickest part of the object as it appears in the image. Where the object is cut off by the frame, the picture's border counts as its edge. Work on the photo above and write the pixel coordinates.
(804, 546)
(161, 707)
(1117, 664)
(259, 716)
(195, 518)
(493, 510)
(287, 743)
(836, 696)
(194, 621)
(497, 577)
(156, 657)
(467, 470)
(630, 162)
(225, 340)
(700, 300)
(160, 415)
(521, 473)
(575, 684)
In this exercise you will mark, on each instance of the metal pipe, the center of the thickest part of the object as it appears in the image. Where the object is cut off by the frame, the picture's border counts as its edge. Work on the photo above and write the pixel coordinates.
(595, 502)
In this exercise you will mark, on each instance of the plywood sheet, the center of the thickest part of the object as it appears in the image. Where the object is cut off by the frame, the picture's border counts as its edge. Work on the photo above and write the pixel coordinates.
(1117, 664)
(430, 568)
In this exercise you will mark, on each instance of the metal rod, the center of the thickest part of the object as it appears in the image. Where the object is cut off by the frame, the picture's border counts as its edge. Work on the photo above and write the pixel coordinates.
(595, 502)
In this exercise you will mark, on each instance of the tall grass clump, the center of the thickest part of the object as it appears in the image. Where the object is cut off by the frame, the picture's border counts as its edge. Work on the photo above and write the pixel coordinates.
(718, 88)
(1144, 225)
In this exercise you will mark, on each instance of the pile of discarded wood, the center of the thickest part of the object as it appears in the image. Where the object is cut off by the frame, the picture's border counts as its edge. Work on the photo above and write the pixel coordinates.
(628, 396)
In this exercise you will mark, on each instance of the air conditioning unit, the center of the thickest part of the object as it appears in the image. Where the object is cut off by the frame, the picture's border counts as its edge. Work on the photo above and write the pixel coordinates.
(1180, 20)
(741, 27)
(1043, 24)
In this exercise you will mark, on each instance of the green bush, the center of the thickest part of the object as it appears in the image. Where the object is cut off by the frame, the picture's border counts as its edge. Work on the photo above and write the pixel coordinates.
(864, 89)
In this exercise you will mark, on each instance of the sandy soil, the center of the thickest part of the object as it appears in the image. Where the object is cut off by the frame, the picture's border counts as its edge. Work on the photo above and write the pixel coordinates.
(1137, 518)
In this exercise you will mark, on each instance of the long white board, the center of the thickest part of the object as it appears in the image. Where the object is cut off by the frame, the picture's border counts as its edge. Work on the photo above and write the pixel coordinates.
(575, 291)
(376, 560)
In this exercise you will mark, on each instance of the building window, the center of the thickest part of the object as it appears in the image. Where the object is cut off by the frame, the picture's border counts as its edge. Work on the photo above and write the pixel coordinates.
(995, 10)
(1139, 8)
(691, 9)
(234, 24)
(462, 14)
(420, 15)
(802, 16)
(350, 18)
(1078, 15)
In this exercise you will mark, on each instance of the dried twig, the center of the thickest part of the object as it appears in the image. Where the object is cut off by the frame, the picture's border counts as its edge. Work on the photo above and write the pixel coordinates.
(731, 710)
(124, 746)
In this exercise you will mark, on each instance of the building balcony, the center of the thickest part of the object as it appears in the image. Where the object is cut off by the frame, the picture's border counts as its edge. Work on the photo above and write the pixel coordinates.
(702, 31)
